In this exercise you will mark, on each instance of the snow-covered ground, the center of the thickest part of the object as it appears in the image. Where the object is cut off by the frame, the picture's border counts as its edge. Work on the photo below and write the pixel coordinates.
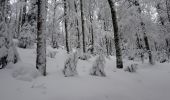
(23, 82)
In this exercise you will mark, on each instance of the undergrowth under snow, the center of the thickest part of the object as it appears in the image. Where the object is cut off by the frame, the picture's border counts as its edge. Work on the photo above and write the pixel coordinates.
(22, 81)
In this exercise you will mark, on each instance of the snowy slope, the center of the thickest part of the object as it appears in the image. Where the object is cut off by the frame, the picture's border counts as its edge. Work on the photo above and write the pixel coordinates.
(23, 82)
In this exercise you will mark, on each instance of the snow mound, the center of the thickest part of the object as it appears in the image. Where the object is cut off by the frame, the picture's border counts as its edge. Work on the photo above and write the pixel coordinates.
(25, 72)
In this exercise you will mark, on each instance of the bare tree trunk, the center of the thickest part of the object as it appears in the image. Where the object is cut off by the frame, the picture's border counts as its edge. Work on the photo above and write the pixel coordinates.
(54, 42)
(168, 9)
(41, 37)
(119, 62)
(83, 24)
(148, 49)
(66, 25)
(91, 25)
(140, 47)
(77, 25)
(24, 10)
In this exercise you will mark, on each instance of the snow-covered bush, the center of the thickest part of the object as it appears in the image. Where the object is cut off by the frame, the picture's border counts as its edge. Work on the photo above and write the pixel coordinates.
(132, 68)
(26, 39)
(52, 54)
(71, 65)
(98, 67)
(84, 56)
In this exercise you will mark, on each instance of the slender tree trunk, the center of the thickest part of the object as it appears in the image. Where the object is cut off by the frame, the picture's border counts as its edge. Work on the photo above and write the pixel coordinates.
(91, 31)
(23, 12)
(148, 49)
(168, 9)
(41, 37)
(66, 25)
(77, 25)
(53, 36)
(119, 61)
(83, 24)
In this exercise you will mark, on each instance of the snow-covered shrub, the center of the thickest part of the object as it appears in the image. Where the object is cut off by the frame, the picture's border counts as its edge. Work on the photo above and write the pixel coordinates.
(84, 56)
(71, 65)
(132, 68)
(52, 54)
(24, 72)
(26, 39)
(163, 60)
(98, 67)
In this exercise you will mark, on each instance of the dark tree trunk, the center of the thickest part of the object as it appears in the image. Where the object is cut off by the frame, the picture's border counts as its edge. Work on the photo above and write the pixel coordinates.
(148, 49)
(119, 62)
(140, 47)
(41, 37)
(66, 25)
(168, 9)
(24, 14)
(91, 29)
(83, 24)
(77, 25)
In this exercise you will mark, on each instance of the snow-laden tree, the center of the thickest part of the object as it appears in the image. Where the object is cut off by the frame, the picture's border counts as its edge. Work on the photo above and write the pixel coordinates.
(26, 38)
(98, 67)
(8, 52)
(70, 67)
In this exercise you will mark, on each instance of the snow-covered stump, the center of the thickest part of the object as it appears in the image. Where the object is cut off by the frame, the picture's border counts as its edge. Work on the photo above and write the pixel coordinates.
(98, 67)
(132, 68)
(71, 65)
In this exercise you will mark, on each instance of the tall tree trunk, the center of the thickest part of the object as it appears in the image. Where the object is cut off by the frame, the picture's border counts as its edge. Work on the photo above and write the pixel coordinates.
(119, 62)
(139, 47)
(24, 10)
(77, 24)
(83, 26)
(41, 37)
(53, 36)
(168, 9)
(66, 25)
(91, 10)
(148, 49)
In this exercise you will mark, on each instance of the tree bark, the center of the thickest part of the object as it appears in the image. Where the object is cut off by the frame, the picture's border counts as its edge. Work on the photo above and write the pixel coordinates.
(66, 25)
(41, 37)
(77, 25)
(168, 9)
(83, 24)
(119, 62)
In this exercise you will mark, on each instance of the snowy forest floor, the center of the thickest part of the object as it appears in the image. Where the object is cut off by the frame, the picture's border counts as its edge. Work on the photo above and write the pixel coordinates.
(22, 81)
